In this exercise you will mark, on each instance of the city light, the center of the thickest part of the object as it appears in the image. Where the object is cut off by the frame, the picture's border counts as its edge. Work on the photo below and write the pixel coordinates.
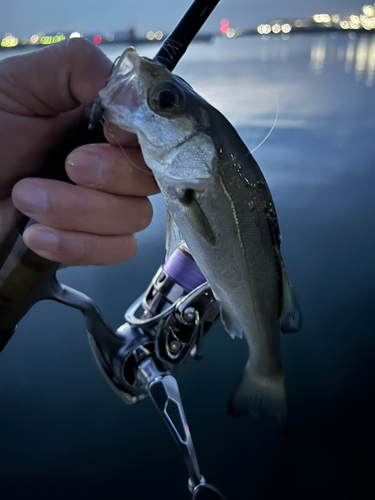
(224, 26)
(368, 10)
(9, 41)
(157, 35)
(34, 39)
(48, 40)
(353, 22)
(267, 29)
(362, 22)
(264, 29)
(322, 18)
(227, 31)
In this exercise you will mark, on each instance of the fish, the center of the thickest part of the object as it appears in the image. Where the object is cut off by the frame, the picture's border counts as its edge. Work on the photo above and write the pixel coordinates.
(219, 204)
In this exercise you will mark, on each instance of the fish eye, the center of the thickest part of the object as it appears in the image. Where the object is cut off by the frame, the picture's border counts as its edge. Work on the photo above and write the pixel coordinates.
(166, 99)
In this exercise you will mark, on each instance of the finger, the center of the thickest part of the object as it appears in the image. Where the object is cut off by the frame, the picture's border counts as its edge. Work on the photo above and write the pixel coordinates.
(24, 145)
(115, 135)
(77, 208)
(77, 70)
(112, 169)
(79, 249)
(43, 95)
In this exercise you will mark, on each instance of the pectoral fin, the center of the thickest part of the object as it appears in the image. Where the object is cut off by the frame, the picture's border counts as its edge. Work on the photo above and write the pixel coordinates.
(291, 317)
(173, 237)
(196, 217)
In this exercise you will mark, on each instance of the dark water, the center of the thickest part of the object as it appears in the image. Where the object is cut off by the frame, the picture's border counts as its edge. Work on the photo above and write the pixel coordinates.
(64, 434)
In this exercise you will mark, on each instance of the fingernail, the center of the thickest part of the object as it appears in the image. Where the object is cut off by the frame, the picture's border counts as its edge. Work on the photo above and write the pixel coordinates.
(40, 238)
(85, 166)
(30, 197)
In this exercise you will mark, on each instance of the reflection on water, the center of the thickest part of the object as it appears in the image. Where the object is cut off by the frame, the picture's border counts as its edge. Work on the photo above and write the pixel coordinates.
(65, 435)
(359, 56)
(318, 55)
(349, 57)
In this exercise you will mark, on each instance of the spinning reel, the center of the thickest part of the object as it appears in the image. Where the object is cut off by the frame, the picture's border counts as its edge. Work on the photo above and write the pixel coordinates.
(163, 327)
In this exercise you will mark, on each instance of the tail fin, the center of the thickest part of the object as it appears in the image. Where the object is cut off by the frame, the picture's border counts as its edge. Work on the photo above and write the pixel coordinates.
(260, 396)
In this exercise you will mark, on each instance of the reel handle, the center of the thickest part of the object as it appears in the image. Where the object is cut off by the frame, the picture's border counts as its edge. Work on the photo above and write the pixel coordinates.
(163, 389)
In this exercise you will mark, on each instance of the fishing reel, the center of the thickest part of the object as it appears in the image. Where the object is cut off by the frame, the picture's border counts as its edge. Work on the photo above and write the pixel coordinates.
(163, 327)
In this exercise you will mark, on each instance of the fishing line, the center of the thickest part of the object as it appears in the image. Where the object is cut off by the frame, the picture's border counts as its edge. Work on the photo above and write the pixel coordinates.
(147, 171)
(273, 126)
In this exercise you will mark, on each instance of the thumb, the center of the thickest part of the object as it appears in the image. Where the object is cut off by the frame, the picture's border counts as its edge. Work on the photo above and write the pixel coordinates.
(53, 80)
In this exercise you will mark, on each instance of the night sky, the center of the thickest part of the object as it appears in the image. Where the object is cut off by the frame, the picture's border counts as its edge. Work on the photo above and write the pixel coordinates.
(23, 18)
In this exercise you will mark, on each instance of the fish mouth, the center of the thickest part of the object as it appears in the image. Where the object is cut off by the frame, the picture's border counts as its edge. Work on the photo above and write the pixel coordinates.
(122, 88)
(130, 81)
(124, 64)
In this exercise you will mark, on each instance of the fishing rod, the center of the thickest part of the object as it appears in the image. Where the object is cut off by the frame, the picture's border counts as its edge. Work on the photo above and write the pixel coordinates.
(177, 309)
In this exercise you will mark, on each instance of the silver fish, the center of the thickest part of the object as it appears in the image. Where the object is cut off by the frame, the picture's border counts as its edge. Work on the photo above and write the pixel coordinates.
(221, 206)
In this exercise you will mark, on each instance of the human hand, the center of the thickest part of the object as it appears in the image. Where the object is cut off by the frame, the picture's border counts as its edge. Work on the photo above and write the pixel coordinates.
(42, 96)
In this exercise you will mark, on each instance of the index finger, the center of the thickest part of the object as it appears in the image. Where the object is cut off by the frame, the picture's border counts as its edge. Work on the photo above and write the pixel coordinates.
(73, 73)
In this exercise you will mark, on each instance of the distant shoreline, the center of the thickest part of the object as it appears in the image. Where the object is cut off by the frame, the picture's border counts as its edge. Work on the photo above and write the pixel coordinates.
(205, 37)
